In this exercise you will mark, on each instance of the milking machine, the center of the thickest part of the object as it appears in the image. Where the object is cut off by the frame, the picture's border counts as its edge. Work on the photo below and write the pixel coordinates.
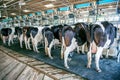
(56, 17)
(71, 15)
(37, 19)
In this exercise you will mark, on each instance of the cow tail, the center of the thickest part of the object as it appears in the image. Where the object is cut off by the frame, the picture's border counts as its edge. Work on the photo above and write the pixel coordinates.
(31, 37)
(43, 34)
(92, 33)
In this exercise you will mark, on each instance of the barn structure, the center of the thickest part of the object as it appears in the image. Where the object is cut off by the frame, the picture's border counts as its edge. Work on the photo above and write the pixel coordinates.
(59, 39)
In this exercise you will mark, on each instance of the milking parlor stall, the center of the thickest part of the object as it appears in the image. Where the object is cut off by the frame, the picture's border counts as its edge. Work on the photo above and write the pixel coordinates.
(59, 39)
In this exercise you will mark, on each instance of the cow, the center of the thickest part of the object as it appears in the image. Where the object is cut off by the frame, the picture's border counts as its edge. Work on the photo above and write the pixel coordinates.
(81, 33)
(114, 45)
(19, 33)
(49, 40)
(52, 36)
(26, 36)
(36, 37)
(71, 39)
(57, 32)
(102, 36)
(8, 33)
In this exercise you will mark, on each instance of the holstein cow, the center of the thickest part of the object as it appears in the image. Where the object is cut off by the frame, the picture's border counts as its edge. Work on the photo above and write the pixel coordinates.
(71, 39)
(102, 36)
(53, 35)
(19, 34)
(57, 31)
(7, 33)
(26, 37)
(36, 37)
(49, 40)
(113, 46)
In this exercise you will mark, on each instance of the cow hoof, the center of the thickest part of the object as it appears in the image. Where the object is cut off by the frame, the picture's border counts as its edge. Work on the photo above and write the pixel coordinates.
(106, 57)
(88, 66)
(61, 57)
(98, 70)
(51, 57)
(37, 51)
(30, 49)
(117, 61)
(67, 67)
(83, 52)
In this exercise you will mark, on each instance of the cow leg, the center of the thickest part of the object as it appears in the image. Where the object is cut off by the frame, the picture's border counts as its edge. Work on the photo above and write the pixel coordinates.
(9, 39)
(62, 51)
(28, 43)
(83, 48)
(97, 57)
(46, 50)
(36, 46)
(107, 53)
(33, 44)
(118, 50)
(49, 49)
(78, 49)
(4, 41)
(68, 50)
(62, 48)
(46, 46)
(66, 54)
(118, 57)
(89, 57)
(12, 37)
(21, 40)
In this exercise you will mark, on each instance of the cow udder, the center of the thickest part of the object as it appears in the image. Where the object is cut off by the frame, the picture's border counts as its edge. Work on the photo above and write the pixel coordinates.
(93, 48)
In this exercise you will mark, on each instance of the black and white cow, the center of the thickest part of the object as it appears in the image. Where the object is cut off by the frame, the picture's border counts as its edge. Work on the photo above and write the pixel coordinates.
(71, 39)
(36, 37)
(8, 33)
(102, 36)
(18, 32)
(52, 36)
(49, 40)
(26, 37)
(113, 49)
(81, 30)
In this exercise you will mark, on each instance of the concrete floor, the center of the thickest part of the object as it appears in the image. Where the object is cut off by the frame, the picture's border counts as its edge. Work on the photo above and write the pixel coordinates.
(14, 66)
